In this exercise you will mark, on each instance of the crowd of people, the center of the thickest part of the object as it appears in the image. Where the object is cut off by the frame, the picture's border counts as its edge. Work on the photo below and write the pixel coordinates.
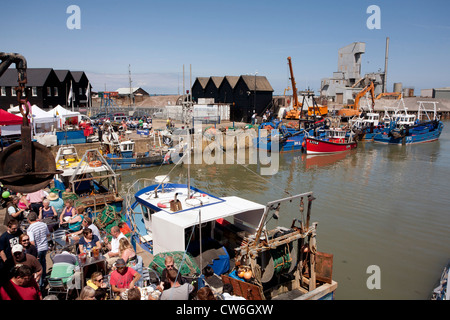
(24, 248)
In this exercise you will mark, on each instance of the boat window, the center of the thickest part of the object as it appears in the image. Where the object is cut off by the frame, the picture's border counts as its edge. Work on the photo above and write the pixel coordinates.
(145, 212)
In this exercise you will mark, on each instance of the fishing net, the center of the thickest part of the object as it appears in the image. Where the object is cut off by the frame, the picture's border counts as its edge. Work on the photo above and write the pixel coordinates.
(189, 267)
(108, 218)
(69, 195)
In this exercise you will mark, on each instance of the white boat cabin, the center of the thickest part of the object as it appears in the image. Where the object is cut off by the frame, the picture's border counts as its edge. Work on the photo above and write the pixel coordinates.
(170, 214)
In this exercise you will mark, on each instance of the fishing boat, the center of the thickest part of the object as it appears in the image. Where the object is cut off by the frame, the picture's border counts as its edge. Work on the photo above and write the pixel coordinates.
(335, 140)
(441, 291)
(67, 158)
(280, 263)
(287, 139)
(120, 153)
(92, 184)
(404, 128)
(366, 125)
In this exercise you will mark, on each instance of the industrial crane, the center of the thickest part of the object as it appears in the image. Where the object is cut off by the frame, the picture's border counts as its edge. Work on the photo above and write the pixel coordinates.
(294, 113)
(353, 109)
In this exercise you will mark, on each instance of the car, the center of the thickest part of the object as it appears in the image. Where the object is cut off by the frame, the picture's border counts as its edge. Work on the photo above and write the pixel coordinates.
(119, 118)
(98, 116)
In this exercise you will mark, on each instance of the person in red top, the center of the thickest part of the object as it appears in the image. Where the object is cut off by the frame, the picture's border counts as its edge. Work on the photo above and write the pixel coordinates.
(123, 278)
(22, 286)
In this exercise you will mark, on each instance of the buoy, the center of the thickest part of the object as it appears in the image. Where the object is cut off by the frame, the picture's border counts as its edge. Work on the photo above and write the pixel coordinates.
(96, 163)
(162, 205)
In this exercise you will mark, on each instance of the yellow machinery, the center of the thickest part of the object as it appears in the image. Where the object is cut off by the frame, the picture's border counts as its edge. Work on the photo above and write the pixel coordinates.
(397, 95)
(353, 109)
(295, 112)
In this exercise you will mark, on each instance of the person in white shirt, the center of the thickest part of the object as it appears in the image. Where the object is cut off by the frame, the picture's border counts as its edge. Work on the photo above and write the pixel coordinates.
(113, 247)
(228, 293)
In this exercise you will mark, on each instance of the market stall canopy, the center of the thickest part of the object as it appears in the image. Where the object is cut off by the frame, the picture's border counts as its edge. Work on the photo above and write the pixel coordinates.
(7, 118)
(41, 116)
(59, 111)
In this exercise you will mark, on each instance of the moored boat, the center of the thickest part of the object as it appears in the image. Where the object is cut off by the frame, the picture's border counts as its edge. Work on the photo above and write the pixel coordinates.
(335, 140)
(441, 291)
(281, 263)
(405, 129)
(286, 139)
(366, 125)
(92, 183)
(67, 158)
(120, 153)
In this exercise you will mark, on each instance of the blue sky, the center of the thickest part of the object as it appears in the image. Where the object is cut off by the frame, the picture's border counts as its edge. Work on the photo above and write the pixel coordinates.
(218, 38)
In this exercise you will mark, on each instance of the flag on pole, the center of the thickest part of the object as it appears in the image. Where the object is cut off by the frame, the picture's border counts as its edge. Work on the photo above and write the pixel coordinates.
(88, 95)
(70, 94)
(88, 92)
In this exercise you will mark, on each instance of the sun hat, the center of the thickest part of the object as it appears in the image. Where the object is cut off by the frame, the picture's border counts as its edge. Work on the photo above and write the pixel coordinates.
(52, 196)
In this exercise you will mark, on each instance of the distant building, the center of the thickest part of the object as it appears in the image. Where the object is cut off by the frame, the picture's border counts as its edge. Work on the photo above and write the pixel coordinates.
(138, 94)
(226, 89)
(198, 88)
(245, 93)
(347, 81)
(136, 91)
(441, 93)
(45, 87)
(80, 88)
(426, 93)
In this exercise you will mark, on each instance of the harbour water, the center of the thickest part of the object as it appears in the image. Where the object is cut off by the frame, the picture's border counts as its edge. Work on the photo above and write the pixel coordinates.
(379, 207)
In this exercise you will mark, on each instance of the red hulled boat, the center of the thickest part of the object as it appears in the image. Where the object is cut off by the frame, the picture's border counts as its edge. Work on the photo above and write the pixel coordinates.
(335, 140)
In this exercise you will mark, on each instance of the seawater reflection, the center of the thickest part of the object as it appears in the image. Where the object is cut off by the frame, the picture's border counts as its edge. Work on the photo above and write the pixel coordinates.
(377, 205)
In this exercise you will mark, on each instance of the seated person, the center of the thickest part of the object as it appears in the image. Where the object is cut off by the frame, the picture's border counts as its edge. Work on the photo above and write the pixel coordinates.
(65, 266)
(56, 202)
(113, 247)
(87, 223)
(74, 223)
(88, 241)
(170, 265)
(98, 284)
(67, 213)
(127, 252)
(23, 202)
(176, 291)
(46, 211)
(123, 277)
